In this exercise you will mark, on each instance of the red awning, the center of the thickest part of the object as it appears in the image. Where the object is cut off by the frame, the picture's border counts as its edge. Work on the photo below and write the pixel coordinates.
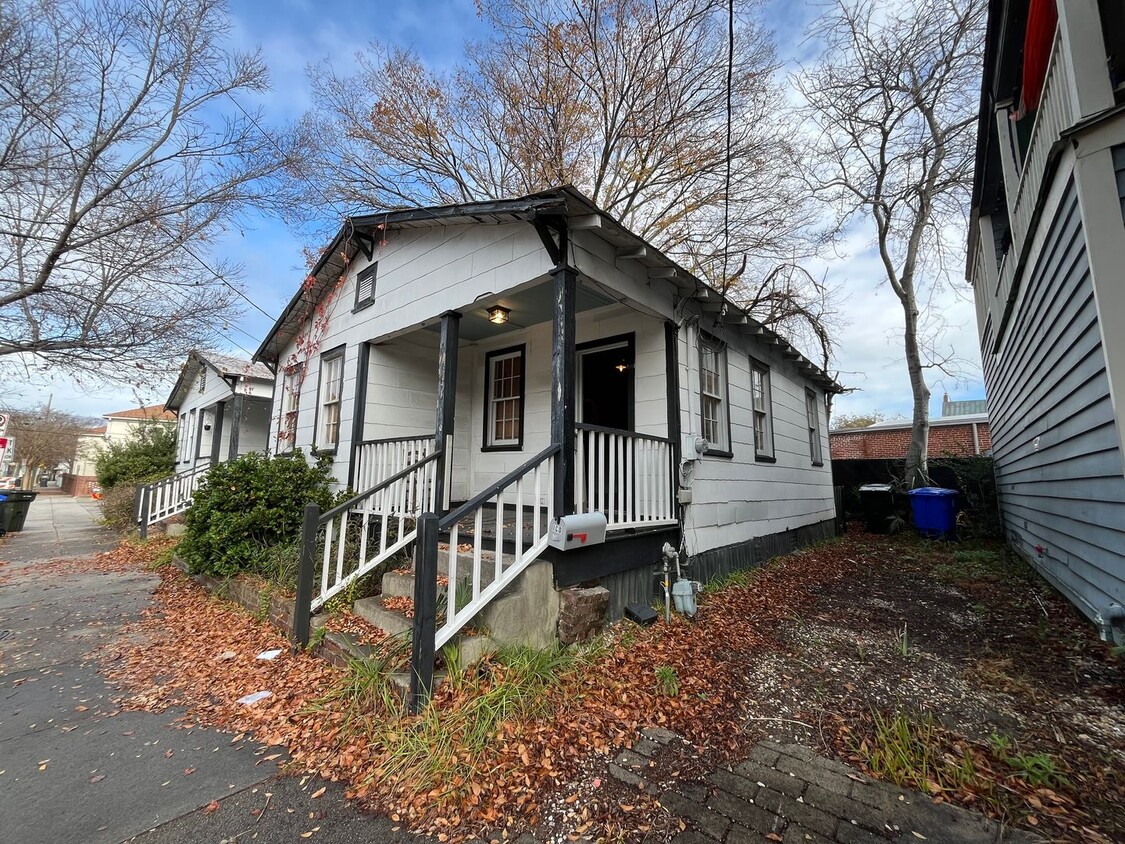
(1042, 20)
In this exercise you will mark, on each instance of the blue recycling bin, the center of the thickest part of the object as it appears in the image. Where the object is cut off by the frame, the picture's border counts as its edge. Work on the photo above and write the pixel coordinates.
(935, 511)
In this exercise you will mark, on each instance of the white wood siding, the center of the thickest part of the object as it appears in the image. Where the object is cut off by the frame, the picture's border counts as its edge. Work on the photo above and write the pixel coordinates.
(737, 499)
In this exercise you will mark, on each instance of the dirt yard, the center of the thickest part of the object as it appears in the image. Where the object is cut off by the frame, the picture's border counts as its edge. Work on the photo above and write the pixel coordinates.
(945, 667)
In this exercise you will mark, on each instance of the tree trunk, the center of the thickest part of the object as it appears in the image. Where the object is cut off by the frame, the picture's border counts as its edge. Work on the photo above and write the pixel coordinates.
(917, 472)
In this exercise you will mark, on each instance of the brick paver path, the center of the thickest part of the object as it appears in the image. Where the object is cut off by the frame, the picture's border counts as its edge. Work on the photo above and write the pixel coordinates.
(791, 794)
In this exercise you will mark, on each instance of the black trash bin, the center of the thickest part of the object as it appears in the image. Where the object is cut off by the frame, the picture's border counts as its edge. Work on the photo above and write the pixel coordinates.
(878, 503)
(14, 504)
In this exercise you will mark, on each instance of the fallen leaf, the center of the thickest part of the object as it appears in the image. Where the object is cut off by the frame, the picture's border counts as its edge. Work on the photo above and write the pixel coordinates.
(319, 792)
(97, 778)
(213, 806)
(189, 771)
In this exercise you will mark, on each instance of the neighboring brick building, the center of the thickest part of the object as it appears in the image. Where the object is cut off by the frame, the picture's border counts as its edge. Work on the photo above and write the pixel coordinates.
(949, 435)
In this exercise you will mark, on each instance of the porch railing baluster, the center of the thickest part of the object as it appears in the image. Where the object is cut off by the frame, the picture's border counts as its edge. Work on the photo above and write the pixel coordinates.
(625, 475)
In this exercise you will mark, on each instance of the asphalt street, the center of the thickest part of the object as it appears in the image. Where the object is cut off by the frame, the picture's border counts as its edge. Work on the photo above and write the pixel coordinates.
(75, 768)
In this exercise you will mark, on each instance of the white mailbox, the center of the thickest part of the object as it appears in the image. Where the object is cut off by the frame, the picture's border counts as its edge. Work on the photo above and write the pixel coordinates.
(577, 531)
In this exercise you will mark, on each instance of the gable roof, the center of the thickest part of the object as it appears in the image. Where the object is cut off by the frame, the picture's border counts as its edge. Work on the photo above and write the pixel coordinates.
(225, 366)
(153, 412)
(361, 232)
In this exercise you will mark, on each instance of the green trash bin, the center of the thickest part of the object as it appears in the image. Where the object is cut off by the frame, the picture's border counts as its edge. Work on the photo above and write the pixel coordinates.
(14, 504)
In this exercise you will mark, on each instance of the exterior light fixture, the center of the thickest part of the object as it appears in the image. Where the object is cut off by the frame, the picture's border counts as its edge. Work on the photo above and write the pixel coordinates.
(498, 314)
(621, 367)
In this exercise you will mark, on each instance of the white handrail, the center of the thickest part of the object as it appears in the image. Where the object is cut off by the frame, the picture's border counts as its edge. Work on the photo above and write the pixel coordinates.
(531, 496)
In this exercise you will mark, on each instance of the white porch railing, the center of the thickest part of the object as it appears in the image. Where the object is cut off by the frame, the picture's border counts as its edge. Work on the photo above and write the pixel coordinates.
(356, 536)
(1055, 114)
(163, 499)
(376, 460)
(627, 476)
(517, 494)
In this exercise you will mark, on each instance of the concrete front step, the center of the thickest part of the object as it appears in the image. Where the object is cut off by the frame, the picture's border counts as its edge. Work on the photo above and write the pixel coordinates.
(394, 623)
(390, 622)
(400, 582)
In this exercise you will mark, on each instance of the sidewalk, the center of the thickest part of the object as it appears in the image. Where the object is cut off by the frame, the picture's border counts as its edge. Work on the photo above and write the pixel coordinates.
(73, 768)
(57, 526)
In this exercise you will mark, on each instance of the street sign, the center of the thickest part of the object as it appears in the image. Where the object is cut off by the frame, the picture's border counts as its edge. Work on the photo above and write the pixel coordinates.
(3, 424)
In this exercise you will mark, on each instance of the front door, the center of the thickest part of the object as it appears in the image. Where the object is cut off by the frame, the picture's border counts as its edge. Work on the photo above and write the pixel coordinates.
(605, 383)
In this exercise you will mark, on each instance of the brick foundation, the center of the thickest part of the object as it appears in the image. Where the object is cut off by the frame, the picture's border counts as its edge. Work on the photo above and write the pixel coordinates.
(582, 613)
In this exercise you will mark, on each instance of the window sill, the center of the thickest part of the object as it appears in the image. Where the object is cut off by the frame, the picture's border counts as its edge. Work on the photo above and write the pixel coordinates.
(714, 452)
(362, 306)
(818, 462)
(764, 458)
(515, 447)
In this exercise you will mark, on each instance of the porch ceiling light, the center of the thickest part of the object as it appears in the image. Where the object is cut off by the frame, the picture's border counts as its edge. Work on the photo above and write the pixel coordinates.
(498, 314)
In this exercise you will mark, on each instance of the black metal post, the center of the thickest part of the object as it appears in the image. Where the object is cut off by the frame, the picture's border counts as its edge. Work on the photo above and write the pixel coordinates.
(446, 400)
(425, 611)
(302, 609)
(564, 386)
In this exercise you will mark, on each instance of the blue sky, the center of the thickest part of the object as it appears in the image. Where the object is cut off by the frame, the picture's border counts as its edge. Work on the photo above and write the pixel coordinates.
(295, 33)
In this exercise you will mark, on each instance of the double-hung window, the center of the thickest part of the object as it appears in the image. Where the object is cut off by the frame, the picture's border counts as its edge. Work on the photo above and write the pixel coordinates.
(713, 396)
(290, 405)
(365, 286)
(504, 394)
(813, 416)
(331, 391)
(762, 406)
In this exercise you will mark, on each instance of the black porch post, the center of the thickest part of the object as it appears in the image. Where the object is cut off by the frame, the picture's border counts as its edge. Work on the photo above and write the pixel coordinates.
(446, 400)
(359, 410)
(238, 407)
(217, 433)
(425, 612)
(672, 380)
(563, 386)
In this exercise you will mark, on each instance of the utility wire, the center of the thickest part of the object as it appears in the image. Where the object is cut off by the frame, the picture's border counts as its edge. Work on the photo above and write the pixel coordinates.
(219, 276)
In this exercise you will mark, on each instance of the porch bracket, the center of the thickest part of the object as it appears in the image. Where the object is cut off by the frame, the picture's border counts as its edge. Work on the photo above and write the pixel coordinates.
(422, 645)
(552, 230)
(563, 385)
(365, 242)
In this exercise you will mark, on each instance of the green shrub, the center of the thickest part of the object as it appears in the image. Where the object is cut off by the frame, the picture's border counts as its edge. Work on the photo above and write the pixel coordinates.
(148, 455)
(245, 508)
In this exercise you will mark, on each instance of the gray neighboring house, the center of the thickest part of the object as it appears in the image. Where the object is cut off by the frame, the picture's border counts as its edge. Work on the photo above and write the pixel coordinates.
(1047, 264)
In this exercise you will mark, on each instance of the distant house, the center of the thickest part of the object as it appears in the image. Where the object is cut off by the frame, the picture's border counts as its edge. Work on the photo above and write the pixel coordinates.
(222, 407)
(516, 360)
(1046, 256)
(120, 427)
(962, 430)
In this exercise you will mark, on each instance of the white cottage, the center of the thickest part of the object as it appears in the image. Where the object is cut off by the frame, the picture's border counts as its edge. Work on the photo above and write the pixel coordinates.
(501, 363)
(221, 408)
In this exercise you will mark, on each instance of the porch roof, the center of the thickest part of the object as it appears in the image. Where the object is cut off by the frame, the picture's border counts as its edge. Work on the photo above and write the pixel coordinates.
(226, 367)
(360, 233)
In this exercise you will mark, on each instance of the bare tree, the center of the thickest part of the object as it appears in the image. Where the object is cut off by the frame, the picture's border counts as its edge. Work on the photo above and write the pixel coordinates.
(894, 97)
(123, 152)
(44, 437)
(626, 100)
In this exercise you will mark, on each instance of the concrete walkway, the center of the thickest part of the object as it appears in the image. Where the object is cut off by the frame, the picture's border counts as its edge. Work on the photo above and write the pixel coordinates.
(73, 768)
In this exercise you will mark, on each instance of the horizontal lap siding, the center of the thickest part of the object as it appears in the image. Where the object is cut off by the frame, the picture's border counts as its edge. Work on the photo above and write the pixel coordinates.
(1058, 459)
(738, 499)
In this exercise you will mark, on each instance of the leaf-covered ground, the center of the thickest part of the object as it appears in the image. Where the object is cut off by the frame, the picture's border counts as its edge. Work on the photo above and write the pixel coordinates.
(980, 660)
